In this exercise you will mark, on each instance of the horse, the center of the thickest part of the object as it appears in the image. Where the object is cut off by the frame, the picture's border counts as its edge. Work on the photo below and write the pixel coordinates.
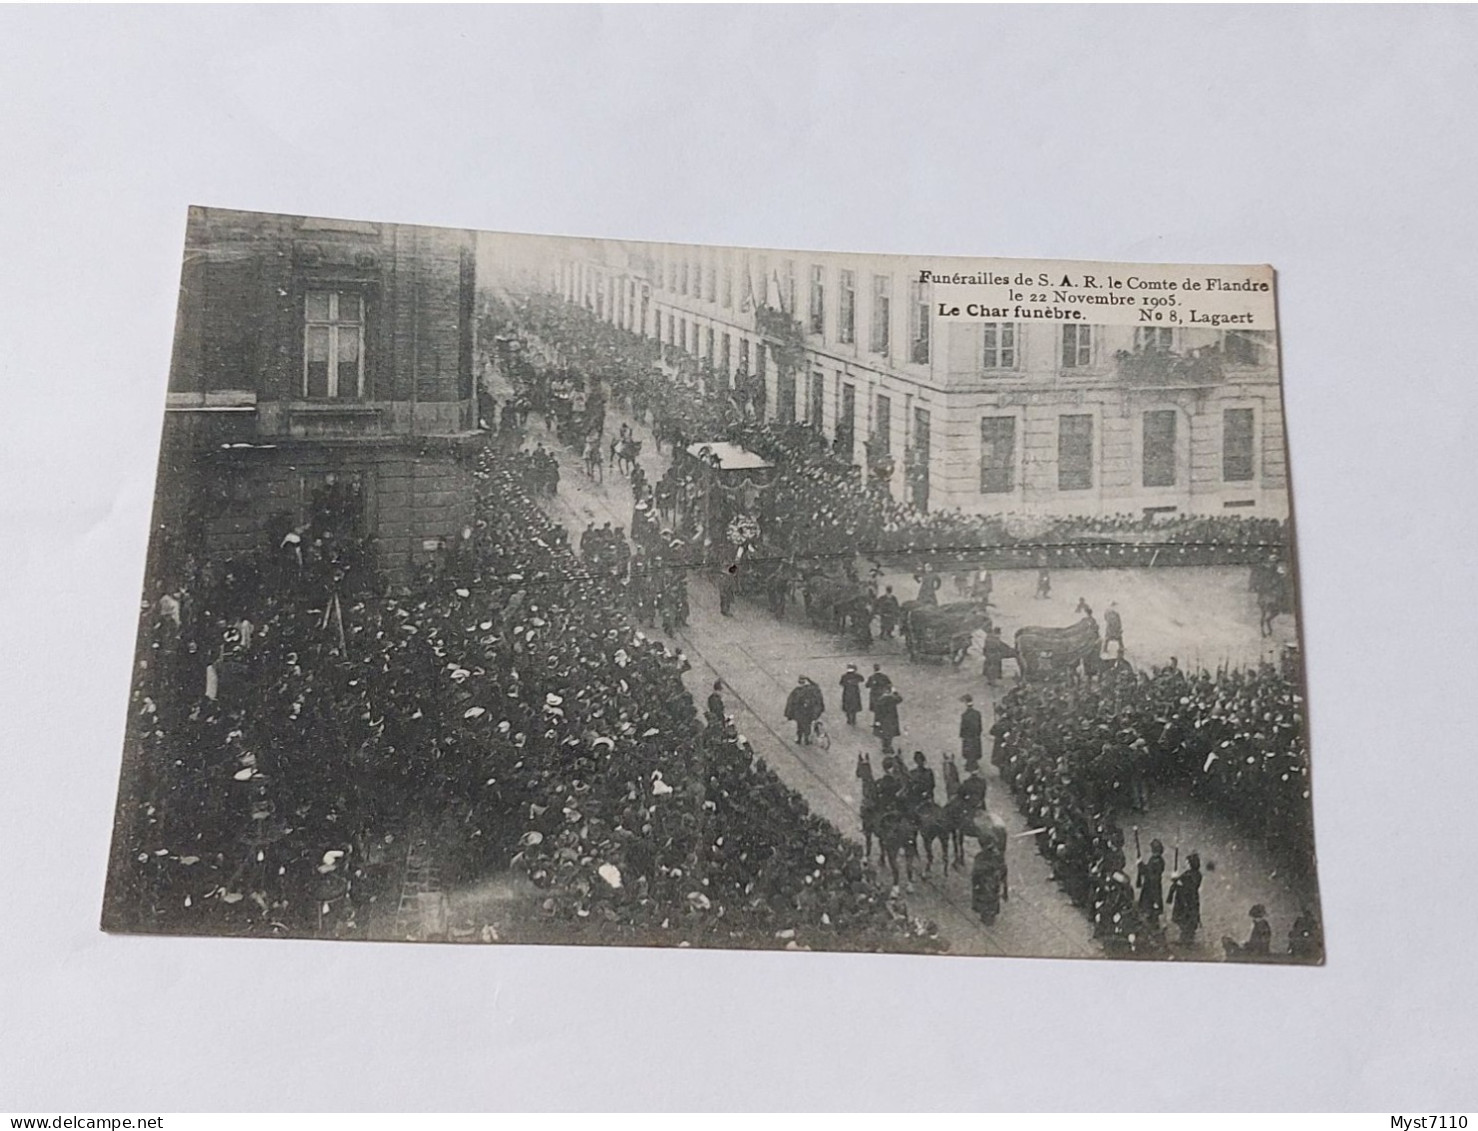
(594, 466)
(936, 823)
(897, 829)
(627, 453)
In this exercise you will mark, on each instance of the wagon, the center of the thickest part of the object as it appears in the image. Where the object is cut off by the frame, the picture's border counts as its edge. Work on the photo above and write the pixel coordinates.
(1046, 652)
(943, 630)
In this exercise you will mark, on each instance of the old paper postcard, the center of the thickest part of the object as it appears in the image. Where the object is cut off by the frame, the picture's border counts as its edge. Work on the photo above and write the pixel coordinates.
(529, 589)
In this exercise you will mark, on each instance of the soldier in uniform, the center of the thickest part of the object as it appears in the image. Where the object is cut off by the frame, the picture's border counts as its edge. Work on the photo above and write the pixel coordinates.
(921, 782)
(1150, 878)
(972, 791)
(1185, 900)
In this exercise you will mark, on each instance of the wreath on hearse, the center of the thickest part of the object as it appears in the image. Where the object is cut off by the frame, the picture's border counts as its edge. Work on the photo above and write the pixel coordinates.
(743, 530)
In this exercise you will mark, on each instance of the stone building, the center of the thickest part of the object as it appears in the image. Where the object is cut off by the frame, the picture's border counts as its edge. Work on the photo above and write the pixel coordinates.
(983, 416)
(318, 359)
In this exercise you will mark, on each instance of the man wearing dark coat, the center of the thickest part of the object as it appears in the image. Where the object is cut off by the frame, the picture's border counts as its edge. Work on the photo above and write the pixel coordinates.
(716, 705)
(920, 782)
(972, 791)
(995, 650)
(851, 694)
(971, 728)
(804, 707)
(885, 718)
(887, 614)
(1185, 900)
(1259, 943)
(877, 683)
(1113, 628)
(1150, 878)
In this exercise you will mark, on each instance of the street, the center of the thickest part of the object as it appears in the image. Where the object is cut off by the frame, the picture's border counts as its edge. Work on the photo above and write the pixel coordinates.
(1203, 616)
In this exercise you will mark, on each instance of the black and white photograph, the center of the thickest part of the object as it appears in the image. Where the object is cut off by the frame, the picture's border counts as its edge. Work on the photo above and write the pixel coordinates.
(737, 557)
(529, 589)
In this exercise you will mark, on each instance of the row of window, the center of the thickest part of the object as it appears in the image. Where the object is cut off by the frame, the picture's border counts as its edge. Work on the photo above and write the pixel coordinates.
(777, 288)
(1159, 460)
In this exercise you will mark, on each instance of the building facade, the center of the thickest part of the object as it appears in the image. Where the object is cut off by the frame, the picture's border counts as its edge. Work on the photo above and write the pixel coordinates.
(982, 416)
(319, 359)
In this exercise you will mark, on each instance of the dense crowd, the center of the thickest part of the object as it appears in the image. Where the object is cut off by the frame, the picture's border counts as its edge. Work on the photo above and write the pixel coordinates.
(1079, 757)
(289, 730)
(818, 504)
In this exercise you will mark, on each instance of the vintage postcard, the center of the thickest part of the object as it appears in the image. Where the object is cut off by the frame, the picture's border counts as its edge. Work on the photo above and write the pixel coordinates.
(531, 589)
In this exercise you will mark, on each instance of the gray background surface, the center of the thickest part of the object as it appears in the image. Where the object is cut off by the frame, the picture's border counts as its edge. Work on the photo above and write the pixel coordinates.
(1335, 143)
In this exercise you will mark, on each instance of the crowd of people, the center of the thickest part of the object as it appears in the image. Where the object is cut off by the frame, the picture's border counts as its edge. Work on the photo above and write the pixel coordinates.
(818, 505)
(512, 703)
(1080, 757)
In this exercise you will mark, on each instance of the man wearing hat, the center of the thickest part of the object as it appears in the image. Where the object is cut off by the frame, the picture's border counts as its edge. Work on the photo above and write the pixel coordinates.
(1150, 878)
(851, 694)
(804, 707)
(971, 728)
(972, 791)
(1259, 943)
(1185, 900)
(1113, 628)
(921, 781)
(716, 705)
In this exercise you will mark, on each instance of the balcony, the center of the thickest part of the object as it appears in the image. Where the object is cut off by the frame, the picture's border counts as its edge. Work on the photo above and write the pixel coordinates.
(1173, 370)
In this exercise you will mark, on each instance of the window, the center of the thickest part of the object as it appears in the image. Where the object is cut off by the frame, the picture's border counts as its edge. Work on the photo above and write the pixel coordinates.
(1077, 346)
(787, 288)
(708, 346)
(710, 284)
(1159, 448)
(723, 357)
(883, 434)
(998, 455)
(818, 398)
(1247, 347)
(918, 324)
(922, 440)
(682, 334)
(785, 391)
(744, 355)
(882, 312)
(671, 330)
(333, 344)
(728, 284)
(1075, 452)
(683, 285)
(1152, 339)
(847, 314)
(1000, 345)
(1237, 445)
(847, 422)
(818, 300)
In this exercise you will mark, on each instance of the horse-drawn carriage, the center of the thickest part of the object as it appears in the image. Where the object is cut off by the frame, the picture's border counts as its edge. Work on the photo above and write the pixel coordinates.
(943, 631)
(1046, 652)
(837, 600)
